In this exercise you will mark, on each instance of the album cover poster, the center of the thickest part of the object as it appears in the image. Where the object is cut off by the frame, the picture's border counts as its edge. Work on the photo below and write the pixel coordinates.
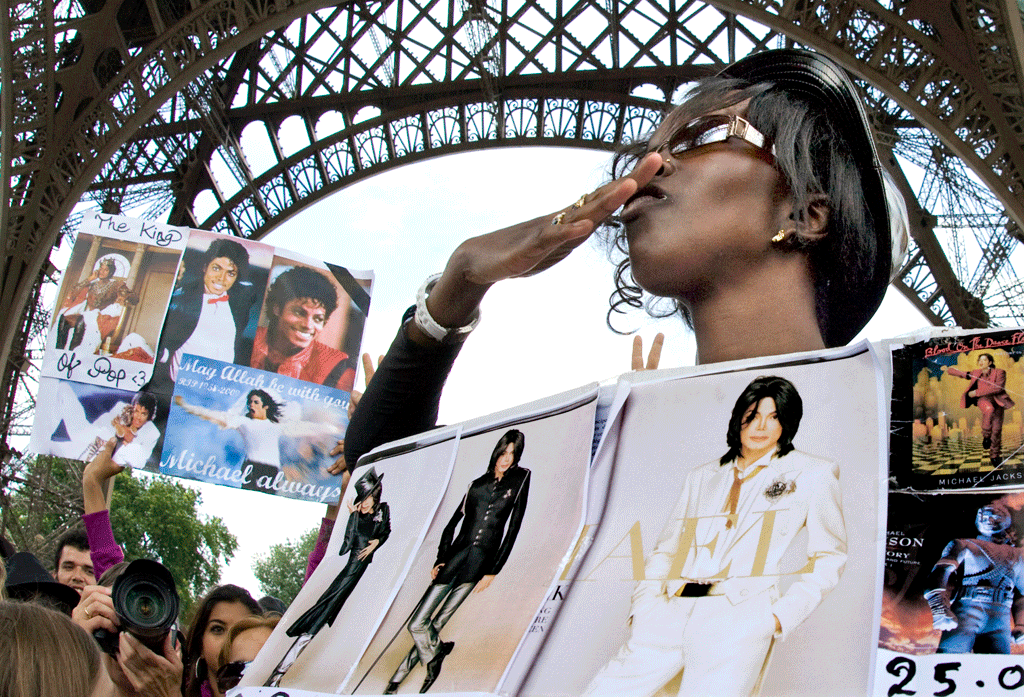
(76, 420)
(956, 422)
(492, 554)
(739, 550)
(250, 429)
(951, 608)
(112, 301)
(382, 520)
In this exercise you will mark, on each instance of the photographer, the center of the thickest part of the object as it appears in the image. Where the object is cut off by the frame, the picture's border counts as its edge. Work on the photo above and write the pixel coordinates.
(135, 670)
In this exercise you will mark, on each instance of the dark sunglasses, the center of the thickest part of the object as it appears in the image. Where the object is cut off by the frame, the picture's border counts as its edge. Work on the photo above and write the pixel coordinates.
(716, 128)
(230, 674)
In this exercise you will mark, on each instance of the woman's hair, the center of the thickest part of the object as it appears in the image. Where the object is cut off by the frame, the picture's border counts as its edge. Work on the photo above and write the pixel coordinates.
(302, 282)
(229, 593)
(991, 360)
(789, 409)
(272, 405)
(813, 157)
(511, 436)
(229, 249)
(244, 624)
(44, 654)
(111, 574)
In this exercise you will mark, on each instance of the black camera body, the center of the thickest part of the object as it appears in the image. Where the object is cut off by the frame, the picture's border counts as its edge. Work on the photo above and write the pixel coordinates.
(146, 602)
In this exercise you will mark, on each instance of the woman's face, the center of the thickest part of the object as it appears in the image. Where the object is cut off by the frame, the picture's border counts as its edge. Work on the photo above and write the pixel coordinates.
(761, 429)
(983, 361)
(222, 618)
(707, 216)
(257, 409)
(505, 459)
(219, 276)
(299, 322)
(104, 270)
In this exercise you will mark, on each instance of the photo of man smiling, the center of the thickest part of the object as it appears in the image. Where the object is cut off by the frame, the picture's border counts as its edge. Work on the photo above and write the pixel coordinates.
(299, 306)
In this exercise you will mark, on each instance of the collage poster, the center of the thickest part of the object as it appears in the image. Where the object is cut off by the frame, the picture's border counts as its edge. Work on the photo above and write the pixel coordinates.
(239, 322)
(953, 613)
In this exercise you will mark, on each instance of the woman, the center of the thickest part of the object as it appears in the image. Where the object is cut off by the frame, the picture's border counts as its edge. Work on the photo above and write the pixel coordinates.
(42, 654)
(468, 562)
(712, 605)
(213, 618)
(243, 642)
(261, 431)
(758, 207)
(369, 525)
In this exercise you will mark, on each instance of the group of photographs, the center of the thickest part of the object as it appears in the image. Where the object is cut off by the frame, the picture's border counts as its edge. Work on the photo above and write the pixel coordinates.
(201, 355)
(555, 549)
(953, 613)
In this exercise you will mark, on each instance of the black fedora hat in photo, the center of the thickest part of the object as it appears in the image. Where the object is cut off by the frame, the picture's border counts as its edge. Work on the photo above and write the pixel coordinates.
(366, 484)
(821, 83)
(28, 580)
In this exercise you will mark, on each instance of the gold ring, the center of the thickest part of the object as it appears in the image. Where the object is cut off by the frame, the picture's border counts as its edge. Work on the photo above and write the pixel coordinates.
(557, 220)
(88, 614)
(579, 202)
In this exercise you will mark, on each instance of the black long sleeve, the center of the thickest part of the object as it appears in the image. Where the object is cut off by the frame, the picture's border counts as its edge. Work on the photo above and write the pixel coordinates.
(404, 395)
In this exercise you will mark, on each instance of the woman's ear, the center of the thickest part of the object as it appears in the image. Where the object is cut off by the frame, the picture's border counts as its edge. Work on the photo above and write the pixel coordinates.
(811, 221)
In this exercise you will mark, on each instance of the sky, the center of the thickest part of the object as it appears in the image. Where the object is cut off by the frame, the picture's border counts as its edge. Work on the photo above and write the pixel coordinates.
(538, 336)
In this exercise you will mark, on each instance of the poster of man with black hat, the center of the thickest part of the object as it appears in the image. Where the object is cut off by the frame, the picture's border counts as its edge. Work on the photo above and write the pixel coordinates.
(369, 525)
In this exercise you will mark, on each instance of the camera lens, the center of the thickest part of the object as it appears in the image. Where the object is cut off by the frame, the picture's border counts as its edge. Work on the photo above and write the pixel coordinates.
(146, 601)
(145, 604)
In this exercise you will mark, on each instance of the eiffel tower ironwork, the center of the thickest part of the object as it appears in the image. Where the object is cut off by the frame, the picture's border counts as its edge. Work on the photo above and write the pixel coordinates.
(152, 106)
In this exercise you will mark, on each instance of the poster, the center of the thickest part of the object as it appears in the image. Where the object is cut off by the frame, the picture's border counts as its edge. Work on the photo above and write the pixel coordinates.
(144, 304)
(672, 563)
(254, 430)
(952, 620)
(112, 301)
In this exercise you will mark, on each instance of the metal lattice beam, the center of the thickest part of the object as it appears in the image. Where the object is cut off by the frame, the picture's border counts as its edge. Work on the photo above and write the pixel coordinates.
(164, 116)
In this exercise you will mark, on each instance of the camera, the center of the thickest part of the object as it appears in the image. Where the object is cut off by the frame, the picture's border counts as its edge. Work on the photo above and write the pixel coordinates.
(146, 602)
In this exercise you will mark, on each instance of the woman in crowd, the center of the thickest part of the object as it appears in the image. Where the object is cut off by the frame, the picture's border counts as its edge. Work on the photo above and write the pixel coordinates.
(758, 207)
(43, 654)
(243, 642)
(213, 618)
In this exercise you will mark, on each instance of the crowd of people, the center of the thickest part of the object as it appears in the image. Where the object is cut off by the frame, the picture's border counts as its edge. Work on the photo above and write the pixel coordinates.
(759, 206)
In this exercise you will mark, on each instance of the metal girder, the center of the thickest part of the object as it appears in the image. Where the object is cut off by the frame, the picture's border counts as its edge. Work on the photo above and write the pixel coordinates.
(176, 131)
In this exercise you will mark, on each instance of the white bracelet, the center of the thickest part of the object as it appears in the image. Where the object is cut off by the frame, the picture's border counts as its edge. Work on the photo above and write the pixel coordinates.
(430, 326)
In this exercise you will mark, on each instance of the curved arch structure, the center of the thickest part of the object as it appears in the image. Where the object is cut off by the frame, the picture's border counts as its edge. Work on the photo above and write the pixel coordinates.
(145, 106)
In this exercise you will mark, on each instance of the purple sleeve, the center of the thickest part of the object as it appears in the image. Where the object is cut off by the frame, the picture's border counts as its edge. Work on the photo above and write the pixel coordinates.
(103, 548)
(317, 555)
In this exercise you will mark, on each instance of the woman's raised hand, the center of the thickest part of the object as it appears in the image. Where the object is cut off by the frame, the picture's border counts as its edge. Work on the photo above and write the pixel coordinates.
(529, 247)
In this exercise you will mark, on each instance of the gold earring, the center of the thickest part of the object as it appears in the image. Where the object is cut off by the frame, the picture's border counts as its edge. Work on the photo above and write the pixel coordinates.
(779, 236)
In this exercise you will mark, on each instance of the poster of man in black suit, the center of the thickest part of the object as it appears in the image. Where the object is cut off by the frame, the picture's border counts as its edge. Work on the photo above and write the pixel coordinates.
(490, 515)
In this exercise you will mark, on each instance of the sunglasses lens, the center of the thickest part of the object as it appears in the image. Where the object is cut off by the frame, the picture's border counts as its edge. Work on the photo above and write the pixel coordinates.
(230, 675)
(698, 132)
